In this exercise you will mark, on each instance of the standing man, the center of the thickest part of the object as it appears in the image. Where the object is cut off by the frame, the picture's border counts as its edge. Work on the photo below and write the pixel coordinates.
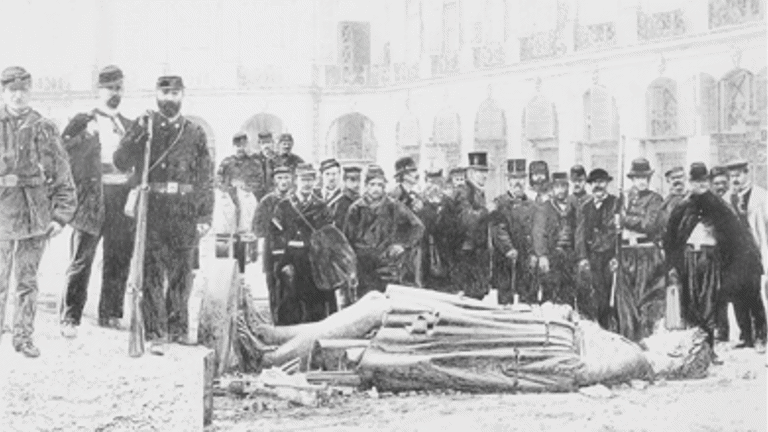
(90, 140)
(751, 205)
(407, 178)
(553, 243)
(282, 178)
(595, 241)
(331, 193)
(470, 271)
(579, 194)
(711, 251)
(180, 207)
(295, 219)
(37, 198)
(267, 144)
(719, 181)
(350, 194)
(284, 155)
(434, 260)
(511, 232)
(380, 230)
(719, 185)
(539, 181)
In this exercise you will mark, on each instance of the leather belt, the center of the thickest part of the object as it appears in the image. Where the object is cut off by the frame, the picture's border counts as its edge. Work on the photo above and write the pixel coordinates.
(171, 188)
(12, 180)
(296, 244)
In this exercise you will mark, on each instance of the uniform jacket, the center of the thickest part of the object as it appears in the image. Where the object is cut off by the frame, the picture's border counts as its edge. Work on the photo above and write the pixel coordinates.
(30, 148)
(472, 217)
(291, 160)
(738, 252)
(371, 228)
(642, 212)
(595, 227)
(552, 228)
(84, 149)
(757, 217)
(338, 204)
(264, 213)
(188, 162)
(291, 233)
(253, 170)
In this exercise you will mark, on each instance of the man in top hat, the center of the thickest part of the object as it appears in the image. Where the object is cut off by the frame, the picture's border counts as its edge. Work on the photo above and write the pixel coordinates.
(380, 230)
(284, 154)
(90, 140)
(180, 207)
(751, 205)
(675, 178)
(295, 218)
(407, 179)
(713, 254)
(470, 271)
(267, 144)
(595, 241)
(539, 181)
(553, 243)
(282, 178)
(640, 292)
(511, 228)
(37, 198)
(719, 181)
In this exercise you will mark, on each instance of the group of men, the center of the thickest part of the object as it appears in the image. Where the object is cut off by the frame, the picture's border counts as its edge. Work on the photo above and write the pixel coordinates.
(547, 238)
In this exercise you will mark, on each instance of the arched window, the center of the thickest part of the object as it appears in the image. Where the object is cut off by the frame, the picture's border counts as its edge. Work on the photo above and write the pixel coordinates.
(661, 108)
(409, 137)
(600, 115)
(445, 149)
(351, 139)
(736, 101)
(491, 136)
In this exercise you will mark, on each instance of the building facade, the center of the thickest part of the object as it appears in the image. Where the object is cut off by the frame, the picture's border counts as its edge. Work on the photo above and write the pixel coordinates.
(565, 81)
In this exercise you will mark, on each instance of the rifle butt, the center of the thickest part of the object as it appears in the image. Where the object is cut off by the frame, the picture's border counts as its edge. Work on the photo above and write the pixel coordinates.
(136, 338)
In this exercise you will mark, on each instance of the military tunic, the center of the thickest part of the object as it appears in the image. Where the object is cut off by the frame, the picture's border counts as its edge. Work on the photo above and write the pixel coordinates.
(261, 227)
(372, 228)
(511, 224)
(290, 160)
(36, 188)
(471, 270)
(595, 241)
(181, 196)
(101, 194)
(641, 292)
(297, 296)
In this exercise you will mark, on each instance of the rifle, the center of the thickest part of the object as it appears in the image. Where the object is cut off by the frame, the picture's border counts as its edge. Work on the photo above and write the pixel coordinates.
(618, 221)
(136, 275)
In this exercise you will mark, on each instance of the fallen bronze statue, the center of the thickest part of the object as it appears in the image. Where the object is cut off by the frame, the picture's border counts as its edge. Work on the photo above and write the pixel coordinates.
(411, 339)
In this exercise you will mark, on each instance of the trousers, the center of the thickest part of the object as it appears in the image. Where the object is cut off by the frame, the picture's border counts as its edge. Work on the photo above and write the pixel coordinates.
(23, 256)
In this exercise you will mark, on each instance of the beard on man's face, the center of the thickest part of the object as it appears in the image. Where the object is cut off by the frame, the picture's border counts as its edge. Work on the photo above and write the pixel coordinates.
(114, 101)
(168, 108)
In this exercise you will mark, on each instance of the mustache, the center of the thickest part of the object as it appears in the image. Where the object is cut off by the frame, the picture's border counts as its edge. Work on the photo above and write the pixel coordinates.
(114, 101)
(169, 108)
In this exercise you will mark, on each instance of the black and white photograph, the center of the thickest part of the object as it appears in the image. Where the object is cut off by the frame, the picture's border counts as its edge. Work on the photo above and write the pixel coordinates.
(383, 215)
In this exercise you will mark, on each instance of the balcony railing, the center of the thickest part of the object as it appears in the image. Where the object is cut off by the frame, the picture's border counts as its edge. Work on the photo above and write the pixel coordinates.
(489, 55)
(258, 77)
(541, 45)
(660, 25)
(445, 64)
(601, 35)
(337, 76)
(732, 12)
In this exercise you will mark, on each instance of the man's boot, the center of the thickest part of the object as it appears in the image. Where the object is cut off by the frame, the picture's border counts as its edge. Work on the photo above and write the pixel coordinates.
(28, 348)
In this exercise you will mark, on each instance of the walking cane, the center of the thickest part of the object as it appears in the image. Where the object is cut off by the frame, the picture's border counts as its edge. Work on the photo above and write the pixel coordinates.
(513, 282)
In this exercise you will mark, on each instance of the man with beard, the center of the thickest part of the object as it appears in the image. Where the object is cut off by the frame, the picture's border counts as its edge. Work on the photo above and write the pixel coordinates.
(470, 271)
(295, 219)
(284, 156)
(511, 224)
(407, 178)
(712, 252)
(90, 140)
(539, 182)
(579, 194)
(676, 180)
(457, 176)
(37, 198)
(749, 201)
(553, 243)
(330, 191)
(640, 293)
(595, 240)
(180, 207)
(282, 178)
(380, 230)
(719, 181)
(434, 262)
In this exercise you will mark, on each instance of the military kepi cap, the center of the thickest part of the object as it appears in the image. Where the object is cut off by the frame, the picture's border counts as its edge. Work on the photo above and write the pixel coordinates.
(281, 169)
(285, 137)
(265, 136)
(305, 170)
(698, 172)
(737, 164)
(516, 167)
(173, 82)
(374, 172)
(674, 171)
(404, 165)
(352, 171)
(478, 161)
(110, 75)
(560, 177)
(15, 75)
(239, 138)
(578, 171)
(328, 164)
(457, 170)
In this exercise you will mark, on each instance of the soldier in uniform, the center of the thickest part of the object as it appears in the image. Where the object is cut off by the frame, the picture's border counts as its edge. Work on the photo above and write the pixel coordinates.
(37, 198)
(352, 180)
(180, 207)
(407, 178)
(282, 178)
(380, 230)
(350, 194)
(284, 155)
(595, 241)
(295, 218)
(719, 181)
(640, 294)
(511, 228)
(471, 268)
(553, 243)
(750, 202)
(711, 251)
(90, 140)
(330, 192)
(267, 144)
